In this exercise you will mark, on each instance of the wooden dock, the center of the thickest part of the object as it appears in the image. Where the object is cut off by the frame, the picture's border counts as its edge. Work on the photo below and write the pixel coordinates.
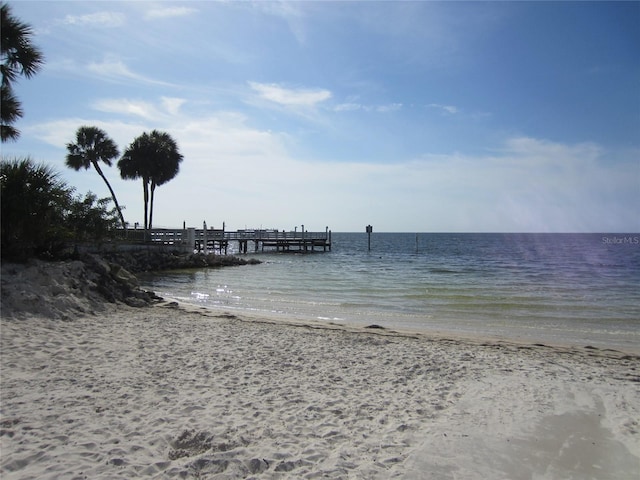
(216, 240)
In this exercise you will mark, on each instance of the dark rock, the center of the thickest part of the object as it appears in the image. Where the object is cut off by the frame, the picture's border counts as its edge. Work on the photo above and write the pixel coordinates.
(135, 302)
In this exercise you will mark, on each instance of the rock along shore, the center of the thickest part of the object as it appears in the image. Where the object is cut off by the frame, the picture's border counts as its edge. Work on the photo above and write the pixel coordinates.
(91, 283)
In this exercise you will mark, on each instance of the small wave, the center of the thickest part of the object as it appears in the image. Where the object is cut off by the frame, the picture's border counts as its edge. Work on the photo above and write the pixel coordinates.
(331, 319)
(199, 296)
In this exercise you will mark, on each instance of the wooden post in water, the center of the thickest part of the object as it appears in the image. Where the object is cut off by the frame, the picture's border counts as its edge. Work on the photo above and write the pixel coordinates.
(369, 230)
(303, 244)
(326, 239)
(205, 240)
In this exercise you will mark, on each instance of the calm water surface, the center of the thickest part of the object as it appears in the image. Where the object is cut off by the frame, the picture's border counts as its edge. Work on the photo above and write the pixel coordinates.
(562, 288)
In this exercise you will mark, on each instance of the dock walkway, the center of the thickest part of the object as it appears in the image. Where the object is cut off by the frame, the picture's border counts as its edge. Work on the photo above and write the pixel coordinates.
(212, 240)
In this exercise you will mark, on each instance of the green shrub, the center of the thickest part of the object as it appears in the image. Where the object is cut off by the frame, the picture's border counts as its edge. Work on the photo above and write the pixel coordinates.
(40, 215)
(33, 205)
(90, 219)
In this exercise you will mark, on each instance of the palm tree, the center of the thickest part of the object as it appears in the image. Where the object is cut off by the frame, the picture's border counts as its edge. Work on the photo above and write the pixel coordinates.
(93, 146)
(10, 113)
(19, 57)
(168, 165)
(155, 158)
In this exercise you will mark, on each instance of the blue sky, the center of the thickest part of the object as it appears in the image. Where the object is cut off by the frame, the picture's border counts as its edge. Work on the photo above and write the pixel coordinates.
(409, 116)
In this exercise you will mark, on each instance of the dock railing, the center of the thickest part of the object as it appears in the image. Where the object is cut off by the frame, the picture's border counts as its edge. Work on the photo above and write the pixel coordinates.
(211, 239)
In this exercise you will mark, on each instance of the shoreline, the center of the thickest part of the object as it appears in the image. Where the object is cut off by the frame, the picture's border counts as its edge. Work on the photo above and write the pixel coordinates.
(181, 391)
(473, 338)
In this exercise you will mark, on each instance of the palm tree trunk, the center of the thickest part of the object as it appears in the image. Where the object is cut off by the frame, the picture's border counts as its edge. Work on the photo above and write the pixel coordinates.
(113, 195)
(145, 186)
(153, 191)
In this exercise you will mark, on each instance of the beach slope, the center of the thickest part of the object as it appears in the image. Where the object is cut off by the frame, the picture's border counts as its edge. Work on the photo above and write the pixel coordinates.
(163, 392)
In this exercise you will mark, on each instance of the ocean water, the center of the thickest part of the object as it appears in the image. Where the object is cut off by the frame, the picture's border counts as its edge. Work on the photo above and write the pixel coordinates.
(573, 289)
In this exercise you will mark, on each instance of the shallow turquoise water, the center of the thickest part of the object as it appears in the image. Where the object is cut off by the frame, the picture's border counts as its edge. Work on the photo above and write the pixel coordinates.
(562, 288)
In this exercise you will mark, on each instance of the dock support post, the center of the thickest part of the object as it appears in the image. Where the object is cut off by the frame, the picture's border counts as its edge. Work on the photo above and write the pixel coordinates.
(191, 240)
(327, 238)
(205, 242)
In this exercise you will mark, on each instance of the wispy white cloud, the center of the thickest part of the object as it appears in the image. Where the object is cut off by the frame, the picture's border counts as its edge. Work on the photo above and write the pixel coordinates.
(168, 107)
(169, 12)
(390, 107)
(446, 109)
(290, 97)
(114, 69)
(98, 19)
(348, 107)
(136, 108)
(351, 107)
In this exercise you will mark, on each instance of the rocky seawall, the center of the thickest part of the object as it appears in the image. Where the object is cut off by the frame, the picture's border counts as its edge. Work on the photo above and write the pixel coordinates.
(150, 261)
(91, 283)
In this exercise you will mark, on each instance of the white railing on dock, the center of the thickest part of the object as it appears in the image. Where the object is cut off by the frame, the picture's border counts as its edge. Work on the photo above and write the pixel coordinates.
(274, 235)
(192, 238)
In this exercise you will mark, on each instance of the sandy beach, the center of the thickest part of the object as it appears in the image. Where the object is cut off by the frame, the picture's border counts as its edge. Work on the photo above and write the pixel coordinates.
(176, 392)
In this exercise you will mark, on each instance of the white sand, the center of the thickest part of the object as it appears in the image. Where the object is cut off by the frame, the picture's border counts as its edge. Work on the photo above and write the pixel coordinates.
(164, 393)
